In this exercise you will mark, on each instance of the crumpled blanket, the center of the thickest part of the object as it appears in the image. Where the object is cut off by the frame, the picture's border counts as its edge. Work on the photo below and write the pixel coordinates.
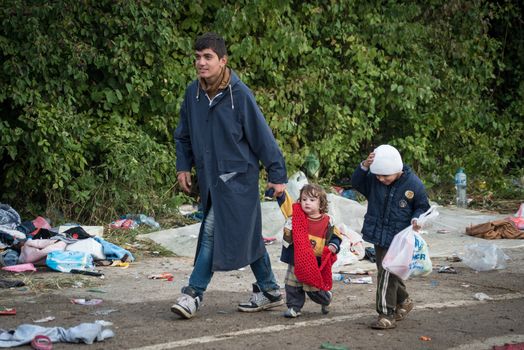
(83, 333)
(495, 230)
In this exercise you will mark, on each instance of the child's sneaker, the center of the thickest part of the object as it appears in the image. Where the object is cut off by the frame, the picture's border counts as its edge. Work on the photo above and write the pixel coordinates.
(261, 300)
(292, 313)
(326, 308)
(403, 309)
(187, 304)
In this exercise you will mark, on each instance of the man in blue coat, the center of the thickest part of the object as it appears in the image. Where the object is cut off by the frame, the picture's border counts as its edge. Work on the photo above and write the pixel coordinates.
(223, 134)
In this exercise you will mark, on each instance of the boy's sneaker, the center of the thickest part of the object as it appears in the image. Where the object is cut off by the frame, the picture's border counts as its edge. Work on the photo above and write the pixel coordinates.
(187, 304)
(261, 300)
(403, 309)
(326, 308)
(292, 313)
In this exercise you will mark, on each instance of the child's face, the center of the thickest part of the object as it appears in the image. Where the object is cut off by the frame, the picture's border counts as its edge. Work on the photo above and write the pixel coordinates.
(310, 205)
(388, 179)
(208, 65)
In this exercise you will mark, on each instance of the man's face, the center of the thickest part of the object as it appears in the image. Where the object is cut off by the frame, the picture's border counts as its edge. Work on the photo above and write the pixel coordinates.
(208, 65)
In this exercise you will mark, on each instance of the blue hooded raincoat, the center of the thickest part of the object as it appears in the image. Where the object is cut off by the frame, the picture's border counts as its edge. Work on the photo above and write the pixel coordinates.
(225, 140)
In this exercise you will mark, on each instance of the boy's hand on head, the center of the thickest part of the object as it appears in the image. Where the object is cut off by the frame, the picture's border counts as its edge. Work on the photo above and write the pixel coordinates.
(366, 163)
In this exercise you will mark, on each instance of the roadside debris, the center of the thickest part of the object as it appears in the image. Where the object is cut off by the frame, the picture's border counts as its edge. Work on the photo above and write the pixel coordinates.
(425, 338)
(484, 257)
(86, 301)
(45, 319)
(162, 276)
(447, 269)
(7, 311)
(482, 296)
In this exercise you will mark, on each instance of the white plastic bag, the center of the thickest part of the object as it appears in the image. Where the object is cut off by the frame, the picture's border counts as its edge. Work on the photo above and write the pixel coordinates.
(484, 257)
(295, 184)
(408, 253)
(351, 248)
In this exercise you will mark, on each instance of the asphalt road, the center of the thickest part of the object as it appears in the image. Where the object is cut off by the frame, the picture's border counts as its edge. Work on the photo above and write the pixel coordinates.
(447, 315)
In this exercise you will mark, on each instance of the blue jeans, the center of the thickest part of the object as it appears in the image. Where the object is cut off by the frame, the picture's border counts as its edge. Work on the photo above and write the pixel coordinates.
(202, 272)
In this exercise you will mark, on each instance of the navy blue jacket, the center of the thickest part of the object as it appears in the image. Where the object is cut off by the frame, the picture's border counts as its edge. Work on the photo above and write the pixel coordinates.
(390, 208)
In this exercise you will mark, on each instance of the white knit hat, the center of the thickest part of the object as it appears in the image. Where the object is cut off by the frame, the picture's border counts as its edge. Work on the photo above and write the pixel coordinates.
(387, 161)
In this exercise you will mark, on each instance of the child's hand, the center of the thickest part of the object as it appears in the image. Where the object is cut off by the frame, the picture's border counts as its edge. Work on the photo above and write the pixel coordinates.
(332, 249)
(416, 226)
(366, 163)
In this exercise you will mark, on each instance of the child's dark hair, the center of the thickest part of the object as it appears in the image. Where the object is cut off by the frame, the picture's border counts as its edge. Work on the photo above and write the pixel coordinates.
(211, 41)
(315, 191)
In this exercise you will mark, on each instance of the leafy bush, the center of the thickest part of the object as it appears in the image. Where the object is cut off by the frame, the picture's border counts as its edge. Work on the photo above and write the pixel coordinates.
(91, 91)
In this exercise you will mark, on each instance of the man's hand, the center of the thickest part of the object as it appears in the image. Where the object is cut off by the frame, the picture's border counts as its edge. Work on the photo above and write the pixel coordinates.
(184, 180)
(278, 188)
(332, 249)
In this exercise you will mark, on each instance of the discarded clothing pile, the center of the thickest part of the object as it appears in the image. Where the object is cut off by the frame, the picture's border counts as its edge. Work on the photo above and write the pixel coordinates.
(497, 229)
(36, 242)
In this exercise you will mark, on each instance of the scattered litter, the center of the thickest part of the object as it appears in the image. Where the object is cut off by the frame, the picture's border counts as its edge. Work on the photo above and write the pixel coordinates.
(506, 346)
(484, 257)
(4, 311)
(104, 312)
(443, 231)
(482, 296)
(447, 269)
(104, 323)
(329, 346)
(41, 342)
(360, 280)
(162, 276)
(86, 301)
(86, 272)
(434, 283)
(454, 258)
(97, 290)
(425, 338)
(464, 285)
(120, 263)
(45, 319)
(20, 268)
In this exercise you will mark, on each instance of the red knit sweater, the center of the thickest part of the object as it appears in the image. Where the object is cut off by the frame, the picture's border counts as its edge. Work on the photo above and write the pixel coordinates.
(306, 267)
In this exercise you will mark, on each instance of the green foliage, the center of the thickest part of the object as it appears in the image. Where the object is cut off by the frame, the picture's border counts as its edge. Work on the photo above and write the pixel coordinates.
(90, 91)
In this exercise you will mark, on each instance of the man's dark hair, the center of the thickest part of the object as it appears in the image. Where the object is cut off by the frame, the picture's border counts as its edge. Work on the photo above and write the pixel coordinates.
(211, 41)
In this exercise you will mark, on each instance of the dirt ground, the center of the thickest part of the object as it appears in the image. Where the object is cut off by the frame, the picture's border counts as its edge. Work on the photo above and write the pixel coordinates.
(446, 310)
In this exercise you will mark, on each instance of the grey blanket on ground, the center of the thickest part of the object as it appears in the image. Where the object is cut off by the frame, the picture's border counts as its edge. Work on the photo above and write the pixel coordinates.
(83, 333)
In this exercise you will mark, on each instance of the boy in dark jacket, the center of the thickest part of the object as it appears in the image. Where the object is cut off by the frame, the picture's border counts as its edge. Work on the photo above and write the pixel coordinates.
(396, 198)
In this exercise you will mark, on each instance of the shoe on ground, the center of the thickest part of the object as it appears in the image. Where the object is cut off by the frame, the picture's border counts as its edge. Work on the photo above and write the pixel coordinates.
(403, 309)
(326, 308)
(261, 300)
(292, 313)
(384, 322)
(187, 304)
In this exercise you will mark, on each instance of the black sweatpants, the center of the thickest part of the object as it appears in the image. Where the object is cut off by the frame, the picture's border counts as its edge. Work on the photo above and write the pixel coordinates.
(391, 289)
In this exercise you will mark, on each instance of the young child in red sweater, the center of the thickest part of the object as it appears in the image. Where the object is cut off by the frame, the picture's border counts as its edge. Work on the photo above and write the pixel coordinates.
(310, 244)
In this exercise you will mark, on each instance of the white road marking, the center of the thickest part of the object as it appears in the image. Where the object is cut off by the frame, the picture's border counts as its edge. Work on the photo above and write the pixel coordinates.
(342, 318)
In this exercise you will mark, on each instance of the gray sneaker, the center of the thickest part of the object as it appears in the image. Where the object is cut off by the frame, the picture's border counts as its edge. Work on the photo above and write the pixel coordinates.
(187, 304)
(326, 308)
(261, 300)
(292, 313)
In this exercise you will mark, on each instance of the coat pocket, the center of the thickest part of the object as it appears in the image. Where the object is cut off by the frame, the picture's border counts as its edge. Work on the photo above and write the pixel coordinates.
(233, 174)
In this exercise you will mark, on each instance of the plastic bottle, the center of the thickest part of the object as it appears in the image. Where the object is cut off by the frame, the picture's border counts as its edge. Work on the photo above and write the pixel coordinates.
(460, 186)
(338, 277)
